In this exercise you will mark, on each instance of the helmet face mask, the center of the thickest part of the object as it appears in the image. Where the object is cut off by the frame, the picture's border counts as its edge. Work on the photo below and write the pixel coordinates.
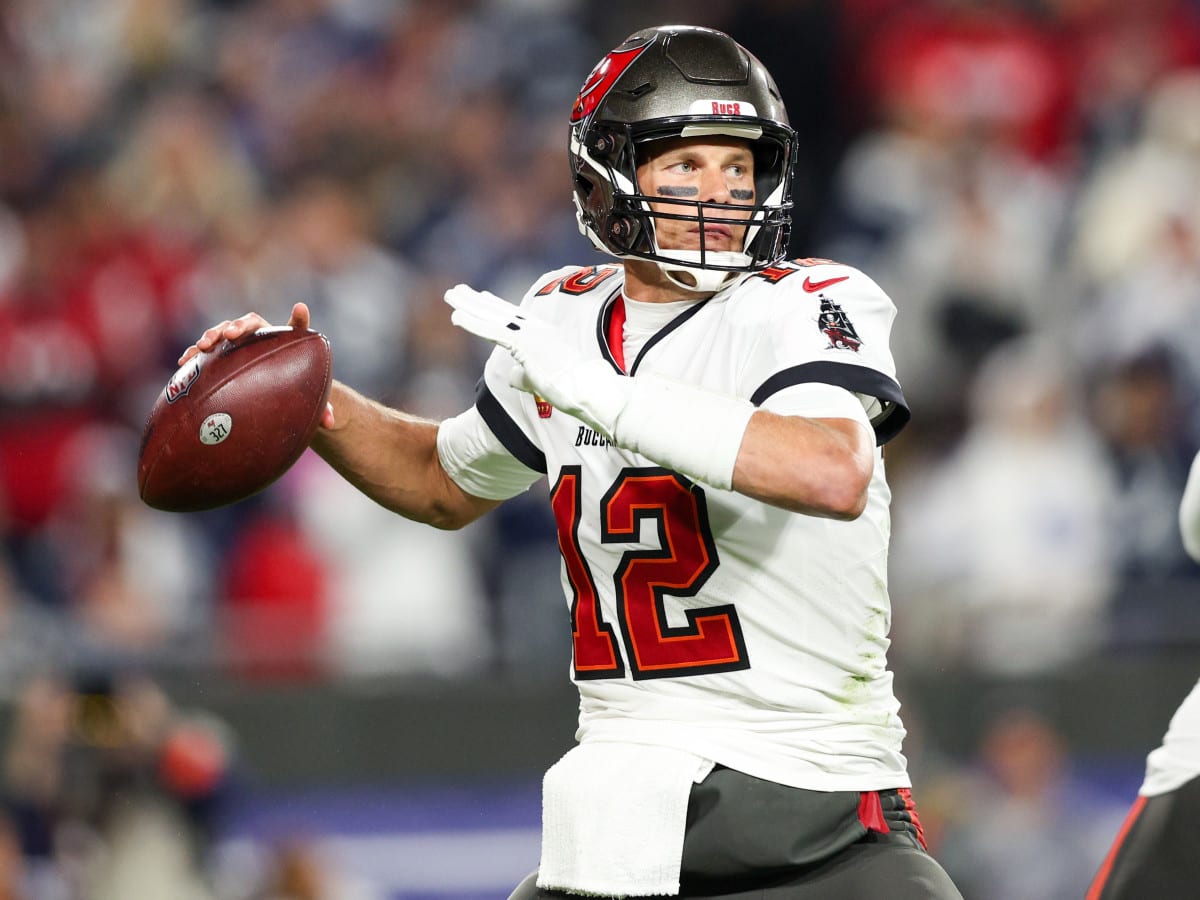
(680, 82)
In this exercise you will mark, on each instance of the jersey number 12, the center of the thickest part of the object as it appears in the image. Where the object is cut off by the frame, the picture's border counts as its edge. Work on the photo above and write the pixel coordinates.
(710, 641)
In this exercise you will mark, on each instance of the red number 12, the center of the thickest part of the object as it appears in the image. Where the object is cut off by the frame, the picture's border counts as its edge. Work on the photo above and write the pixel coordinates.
(711, 641)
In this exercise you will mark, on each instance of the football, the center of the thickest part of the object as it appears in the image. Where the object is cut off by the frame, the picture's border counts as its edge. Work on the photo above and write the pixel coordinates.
(232, 420)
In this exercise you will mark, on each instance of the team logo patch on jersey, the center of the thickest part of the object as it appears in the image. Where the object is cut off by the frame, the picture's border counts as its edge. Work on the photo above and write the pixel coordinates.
(836, 325)
(543, 407)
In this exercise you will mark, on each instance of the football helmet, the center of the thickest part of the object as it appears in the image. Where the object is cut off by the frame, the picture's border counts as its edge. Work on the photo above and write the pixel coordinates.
(680, 81)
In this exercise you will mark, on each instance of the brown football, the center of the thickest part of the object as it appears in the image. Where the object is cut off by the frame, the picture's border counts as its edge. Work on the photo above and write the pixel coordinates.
(234, 419)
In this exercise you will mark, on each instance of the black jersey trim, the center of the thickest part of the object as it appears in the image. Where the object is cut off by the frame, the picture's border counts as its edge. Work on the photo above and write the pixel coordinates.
(606, 312)
(859, 379)
(507, 431)
(667, 329)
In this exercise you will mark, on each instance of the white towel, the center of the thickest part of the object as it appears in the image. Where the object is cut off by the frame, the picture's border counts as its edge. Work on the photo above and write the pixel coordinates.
(613, 817)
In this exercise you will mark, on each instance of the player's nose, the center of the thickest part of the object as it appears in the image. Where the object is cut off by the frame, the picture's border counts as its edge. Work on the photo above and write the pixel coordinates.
(714, 187)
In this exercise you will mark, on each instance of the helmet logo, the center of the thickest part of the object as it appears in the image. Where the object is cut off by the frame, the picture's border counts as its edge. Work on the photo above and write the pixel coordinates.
(601, 79)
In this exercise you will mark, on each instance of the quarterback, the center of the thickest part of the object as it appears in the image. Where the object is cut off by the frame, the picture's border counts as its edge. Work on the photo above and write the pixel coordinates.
(709, 416)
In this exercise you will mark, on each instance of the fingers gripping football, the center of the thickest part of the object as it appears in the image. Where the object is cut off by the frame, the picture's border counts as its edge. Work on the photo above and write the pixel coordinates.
(236, 328)
(549, 363)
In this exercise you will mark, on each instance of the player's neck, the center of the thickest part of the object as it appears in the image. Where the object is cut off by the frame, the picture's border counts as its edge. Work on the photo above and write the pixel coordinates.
(645, 281)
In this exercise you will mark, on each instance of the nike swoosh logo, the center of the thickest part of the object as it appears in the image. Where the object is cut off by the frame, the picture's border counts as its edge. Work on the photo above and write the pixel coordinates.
(813, 286)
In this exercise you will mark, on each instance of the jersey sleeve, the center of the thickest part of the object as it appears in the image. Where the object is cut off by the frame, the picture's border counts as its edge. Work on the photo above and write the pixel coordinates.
(831, 324)
(818, 400)
(506, 411)
(477, 462)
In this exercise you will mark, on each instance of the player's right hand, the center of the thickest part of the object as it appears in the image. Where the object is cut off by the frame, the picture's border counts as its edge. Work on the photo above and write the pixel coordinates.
(231, 329)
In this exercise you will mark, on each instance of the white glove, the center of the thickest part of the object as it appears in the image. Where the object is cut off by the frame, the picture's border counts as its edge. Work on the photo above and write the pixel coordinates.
(548, 364)
(680, 426)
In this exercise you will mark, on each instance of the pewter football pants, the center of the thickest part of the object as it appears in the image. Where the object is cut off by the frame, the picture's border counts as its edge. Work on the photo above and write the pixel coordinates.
(749, 838)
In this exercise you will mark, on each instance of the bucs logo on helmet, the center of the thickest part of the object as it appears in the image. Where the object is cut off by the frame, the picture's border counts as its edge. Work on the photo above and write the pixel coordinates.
(601, 79)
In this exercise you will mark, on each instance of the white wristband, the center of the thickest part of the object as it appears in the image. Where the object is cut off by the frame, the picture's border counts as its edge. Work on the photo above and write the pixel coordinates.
(689, 429)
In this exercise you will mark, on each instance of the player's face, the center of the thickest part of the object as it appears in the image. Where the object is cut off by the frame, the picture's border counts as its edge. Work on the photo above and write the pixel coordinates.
(711, 169)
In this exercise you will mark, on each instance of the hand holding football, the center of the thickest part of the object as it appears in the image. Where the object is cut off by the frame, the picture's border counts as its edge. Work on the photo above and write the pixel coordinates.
(233, 419)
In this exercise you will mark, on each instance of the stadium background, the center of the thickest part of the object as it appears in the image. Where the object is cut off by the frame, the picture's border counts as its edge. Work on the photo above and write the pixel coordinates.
(302, 697)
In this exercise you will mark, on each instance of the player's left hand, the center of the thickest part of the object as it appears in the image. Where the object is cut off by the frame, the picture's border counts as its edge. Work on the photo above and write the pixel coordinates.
(548, 363)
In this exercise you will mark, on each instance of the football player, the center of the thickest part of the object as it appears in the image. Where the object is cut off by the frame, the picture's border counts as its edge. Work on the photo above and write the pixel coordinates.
(1154, 854)
(710, 418)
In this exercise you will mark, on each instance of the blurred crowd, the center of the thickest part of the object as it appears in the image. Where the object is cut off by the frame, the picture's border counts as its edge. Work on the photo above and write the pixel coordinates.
(1022, 176)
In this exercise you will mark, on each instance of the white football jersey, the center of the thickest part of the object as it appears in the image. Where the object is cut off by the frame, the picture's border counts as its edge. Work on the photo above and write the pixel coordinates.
(1177, 760)
(702, 619)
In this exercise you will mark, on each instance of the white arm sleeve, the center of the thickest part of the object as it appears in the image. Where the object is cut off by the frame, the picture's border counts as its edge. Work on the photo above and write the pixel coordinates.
(476, 460)
(1189, 512)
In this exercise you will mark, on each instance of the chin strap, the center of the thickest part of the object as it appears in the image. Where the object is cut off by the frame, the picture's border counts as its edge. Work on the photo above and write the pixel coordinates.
(682, 427)
(699, 281)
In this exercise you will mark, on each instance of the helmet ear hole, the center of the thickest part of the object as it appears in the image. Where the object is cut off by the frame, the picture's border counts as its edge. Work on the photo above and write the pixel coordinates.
(620, 230)
(602, 145)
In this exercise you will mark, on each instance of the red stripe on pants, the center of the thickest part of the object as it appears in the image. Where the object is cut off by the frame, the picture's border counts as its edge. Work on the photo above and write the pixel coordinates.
(1101, 879)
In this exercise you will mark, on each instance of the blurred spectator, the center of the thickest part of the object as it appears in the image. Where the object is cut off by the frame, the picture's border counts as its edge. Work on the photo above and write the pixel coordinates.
(82, 323)
(1137, 241)
(404, 598)
(112, 790)
(17, 881)
(1002, 559)
(300, 870)
(945, 201)
(1138, 407)
(315, 246)
(181, 169)
(294, 75)
(274, 616)
(32, 635)
(132, 582)
(358, 291)
(988, 67)
(523, 576)
(520, 186)
(508, 67)
(1028, 826)
(1118, 52)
